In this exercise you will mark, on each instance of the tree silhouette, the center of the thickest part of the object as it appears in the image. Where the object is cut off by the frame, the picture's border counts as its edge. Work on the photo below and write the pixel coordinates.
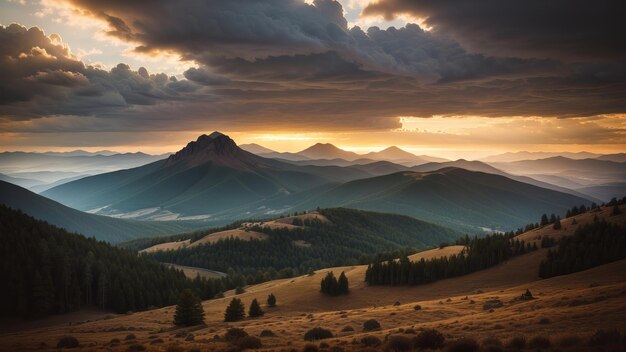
(235, 311)
(557, 224)
(271, 300)
(189, 310)
(255, 309)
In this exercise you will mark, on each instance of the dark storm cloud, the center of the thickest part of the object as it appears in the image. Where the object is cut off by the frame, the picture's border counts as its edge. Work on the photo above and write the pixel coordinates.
(284, 64)
(563, 29)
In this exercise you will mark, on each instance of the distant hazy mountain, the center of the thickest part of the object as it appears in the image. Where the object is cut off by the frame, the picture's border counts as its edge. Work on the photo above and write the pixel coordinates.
(256, 149)
(619, 157)
(398, 155)
(518, 156)
(584, 171)
(22, 182)
(592, 177)
(328, 151)
(451, 196)
(101, 227)
(22, 162)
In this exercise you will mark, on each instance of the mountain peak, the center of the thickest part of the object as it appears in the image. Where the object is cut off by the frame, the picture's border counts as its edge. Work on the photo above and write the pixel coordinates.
(214, 147)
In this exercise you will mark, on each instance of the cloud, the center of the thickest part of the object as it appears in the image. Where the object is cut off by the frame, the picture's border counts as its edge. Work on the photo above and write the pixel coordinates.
(562, 29)
(42, 77)
(282, 65)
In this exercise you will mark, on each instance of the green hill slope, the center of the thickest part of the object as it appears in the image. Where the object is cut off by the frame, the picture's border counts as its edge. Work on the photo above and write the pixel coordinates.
(101, 227)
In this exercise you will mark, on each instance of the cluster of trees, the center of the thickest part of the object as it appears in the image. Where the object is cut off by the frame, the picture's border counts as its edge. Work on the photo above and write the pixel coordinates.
(479, 253)
(46, 270)
(593, 244)
(350, 237)
(332, 286)
(236, 310)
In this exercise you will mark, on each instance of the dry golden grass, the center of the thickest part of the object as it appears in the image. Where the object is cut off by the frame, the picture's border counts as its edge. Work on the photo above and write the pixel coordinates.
(243, 233)
(572, 304)
(192, 272)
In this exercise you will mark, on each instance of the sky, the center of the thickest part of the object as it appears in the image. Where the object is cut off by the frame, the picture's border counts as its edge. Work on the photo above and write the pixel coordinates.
(445, 78)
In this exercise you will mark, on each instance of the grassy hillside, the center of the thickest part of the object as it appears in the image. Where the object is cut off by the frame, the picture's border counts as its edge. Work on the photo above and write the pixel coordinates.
(101, 227)
(296, 245)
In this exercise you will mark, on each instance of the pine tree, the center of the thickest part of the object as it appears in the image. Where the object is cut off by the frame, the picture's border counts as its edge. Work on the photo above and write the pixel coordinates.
(544, 220)
(616, 210)
(557, 224)
(342, 283)
(235, 311)
(271, 300)
(189, 310)
(255, 309)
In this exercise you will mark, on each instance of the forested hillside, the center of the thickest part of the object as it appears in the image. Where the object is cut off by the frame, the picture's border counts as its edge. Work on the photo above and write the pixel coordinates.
(46, 270)
(349, 237)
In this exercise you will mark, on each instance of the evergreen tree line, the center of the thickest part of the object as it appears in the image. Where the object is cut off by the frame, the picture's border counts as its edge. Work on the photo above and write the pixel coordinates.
(332, 286)
(593, 244)
(479, 253)
(46, 270)
(351, 237)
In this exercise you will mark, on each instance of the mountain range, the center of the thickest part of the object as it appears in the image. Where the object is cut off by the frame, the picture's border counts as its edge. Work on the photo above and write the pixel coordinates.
(213, 179)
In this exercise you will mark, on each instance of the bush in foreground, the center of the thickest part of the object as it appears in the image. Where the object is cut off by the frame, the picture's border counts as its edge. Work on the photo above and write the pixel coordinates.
(235, 334)
(398, 343)
(464, 345)
(539, 342)
(517, 343)
(67, 342)
(317, 334)
(371, 325)
(249, 342)
(605, 338)
(370, 341)
(429, 339)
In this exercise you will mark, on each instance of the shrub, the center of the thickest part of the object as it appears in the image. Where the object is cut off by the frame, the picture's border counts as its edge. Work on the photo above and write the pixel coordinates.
(239, 290)
(539, 342)
(309, 347)
(517, 343)
(267, 333)
(396, 304)
(136, 347)
(410, 331)
(115, 341)
(370, 341)
(130, 337)
(569, 341)
(429, 339)
(465, 344)
(156, 341)
(492, 341)
(492, 303)
(324, 345)
(317, 334)
(398, 343)
(371, 325)
(347, 329)
(544, 321)
(67, 342)
(605, 337)
(234, 334)
(417, 307)
(249, 342)
(271, 300)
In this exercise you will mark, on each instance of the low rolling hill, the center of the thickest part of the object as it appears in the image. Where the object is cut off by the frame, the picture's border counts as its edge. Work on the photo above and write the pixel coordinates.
(299, 243)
